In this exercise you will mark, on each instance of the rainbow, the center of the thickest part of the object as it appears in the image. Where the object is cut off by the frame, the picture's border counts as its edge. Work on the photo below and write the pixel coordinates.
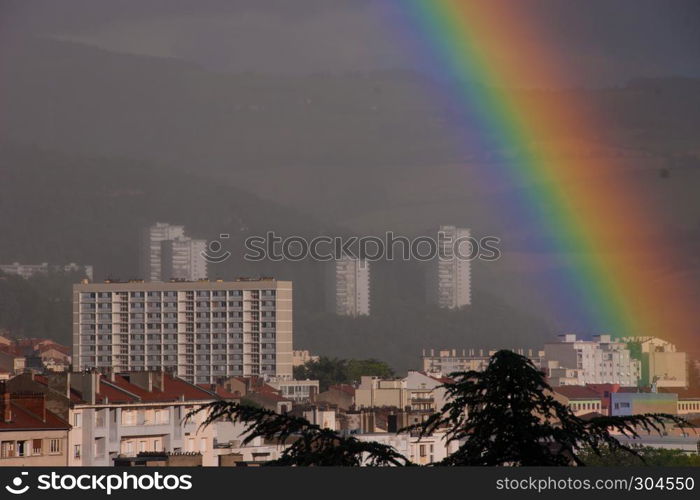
(598, 224)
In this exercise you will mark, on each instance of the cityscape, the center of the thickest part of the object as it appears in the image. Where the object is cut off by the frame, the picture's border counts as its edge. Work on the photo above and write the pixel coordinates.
(147, 352)
(347, 235)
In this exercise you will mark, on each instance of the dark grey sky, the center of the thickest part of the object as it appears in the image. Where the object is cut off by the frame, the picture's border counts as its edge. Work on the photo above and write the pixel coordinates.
(609, 41)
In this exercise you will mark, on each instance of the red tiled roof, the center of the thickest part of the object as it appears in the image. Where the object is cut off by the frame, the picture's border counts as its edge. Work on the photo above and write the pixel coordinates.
(635, 389)
(173, 390)
(576, 392)
(347, 389)
(58, 347)
(220, 391)
(24, 419)
(682, 393)
(113, 393)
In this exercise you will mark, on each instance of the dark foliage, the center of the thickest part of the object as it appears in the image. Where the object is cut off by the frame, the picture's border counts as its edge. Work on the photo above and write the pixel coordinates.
(331, 371)
(506, 415)
(309, 444)
(653, 457)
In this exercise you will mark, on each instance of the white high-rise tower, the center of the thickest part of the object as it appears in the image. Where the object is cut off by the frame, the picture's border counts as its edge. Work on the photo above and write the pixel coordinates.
(449, 283)
(352, 287)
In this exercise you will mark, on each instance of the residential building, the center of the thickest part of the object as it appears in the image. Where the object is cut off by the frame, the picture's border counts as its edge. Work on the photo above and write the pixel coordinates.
(168, 253)
(183, 258)
(18, 355)
(416, 392)
(125, 414)
(598, 361)
(152, 246)
(323, 417)
(631, 402)
(449, 279)
(581, 399)
(298, 391)
(30, 434)
(300, 358)
(688, 400)
(199, 331)
(662, 364)
(446, 361)
(351, 287)
(341, 396)
(419, 450)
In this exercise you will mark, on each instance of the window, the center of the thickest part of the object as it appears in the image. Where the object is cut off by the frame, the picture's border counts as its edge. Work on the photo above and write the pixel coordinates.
(22, 448)
(162, 417)
(36, 446)
(7, 449)
(129, 417)
(54, 446)
(76, 451)
(142, 446)
(77, 420)
(422, 450)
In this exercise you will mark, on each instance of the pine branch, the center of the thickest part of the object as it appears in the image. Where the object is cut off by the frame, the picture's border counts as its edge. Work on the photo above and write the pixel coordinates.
(308, 444)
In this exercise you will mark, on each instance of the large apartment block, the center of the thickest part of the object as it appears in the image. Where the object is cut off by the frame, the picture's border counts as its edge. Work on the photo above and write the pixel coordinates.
(602, 360)
(199, 331)
(351, 287)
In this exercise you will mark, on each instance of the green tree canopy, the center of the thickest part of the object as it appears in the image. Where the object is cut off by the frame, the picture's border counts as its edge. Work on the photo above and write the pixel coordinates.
(332, 371)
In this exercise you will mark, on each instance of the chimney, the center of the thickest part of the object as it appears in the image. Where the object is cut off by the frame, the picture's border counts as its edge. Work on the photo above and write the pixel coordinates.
(6, 402)
(87, 384)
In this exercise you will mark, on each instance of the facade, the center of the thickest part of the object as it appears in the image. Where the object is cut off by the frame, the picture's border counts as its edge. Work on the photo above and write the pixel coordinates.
(416, 392)
(152, 245)
(199, 331)
(419, 450)
(168, 253)
(126, 414)
(598, 361)
(30, 434)
(449, 282)
(446, 361)
(688, 400)
(351, 287)
(625, 403)
(298, 391)
(300, 358)
(662, 364)
(581, 399)
(182, 258)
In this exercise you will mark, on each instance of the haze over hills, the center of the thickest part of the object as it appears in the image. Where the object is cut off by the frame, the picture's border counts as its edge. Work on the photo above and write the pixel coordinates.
(98, 144)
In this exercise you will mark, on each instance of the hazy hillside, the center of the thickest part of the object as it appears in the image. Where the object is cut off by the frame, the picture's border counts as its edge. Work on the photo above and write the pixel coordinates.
(96, 145)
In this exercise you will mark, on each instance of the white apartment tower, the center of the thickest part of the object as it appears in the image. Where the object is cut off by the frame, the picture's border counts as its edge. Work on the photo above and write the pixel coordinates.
(199, 331)
(352, 287)
(183, 259)
(169, 254)
(449, 282)
(598, 361)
